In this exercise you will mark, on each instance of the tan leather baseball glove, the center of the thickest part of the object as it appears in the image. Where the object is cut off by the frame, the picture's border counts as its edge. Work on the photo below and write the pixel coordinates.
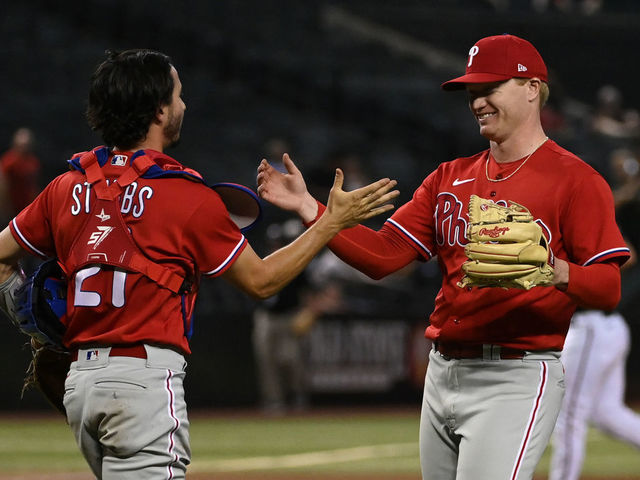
(506, 247)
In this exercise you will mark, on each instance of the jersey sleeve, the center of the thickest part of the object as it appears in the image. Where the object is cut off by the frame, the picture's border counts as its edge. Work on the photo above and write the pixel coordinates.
(31, 228)
(374, 253)
(211, 236)
(589, 226)
(414, 221)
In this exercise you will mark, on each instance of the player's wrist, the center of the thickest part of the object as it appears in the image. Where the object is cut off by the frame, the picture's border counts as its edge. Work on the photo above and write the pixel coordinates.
(328, 221)
(309, 210)
(320, 210)
(561, 274)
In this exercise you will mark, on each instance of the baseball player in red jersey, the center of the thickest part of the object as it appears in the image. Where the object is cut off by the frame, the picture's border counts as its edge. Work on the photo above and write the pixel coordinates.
(134, 230)
(494, 384)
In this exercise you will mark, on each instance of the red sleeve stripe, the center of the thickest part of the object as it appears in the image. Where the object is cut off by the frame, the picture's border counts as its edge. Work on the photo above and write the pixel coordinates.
(413, 239)
(612, 252)
(229, 260)
(23, 240)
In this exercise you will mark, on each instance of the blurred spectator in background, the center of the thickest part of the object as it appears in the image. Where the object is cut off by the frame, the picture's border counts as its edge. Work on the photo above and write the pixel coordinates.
(611, 118)
(584, 7)
(280, 326)
(609, 126)
(624, 167)
(625, 175)
(21, 171)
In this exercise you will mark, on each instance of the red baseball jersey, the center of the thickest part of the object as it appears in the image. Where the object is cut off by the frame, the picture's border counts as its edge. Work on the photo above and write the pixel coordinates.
(180, 224)
(571, 202)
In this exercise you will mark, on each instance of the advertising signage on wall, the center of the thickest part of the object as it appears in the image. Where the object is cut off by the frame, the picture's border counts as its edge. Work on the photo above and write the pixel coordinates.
(365, 354)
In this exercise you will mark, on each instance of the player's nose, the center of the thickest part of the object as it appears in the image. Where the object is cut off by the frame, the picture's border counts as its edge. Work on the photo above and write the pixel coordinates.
(477, 103)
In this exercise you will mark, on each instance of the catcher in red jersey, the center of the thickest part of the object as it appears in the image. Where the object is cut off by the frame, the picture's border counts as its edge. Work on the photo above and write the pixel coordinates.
(523, 232)
(134, 231)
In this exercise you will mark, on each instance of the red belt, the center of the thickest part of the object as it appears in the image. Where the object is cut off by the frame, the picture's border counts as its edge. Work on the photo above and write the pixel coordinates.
(491, 352)
(137, 351)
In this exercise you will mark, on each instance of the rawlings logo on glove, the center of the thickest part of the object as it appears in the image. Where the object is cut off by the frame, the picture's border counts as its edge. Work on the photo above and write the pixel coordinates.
(506, 248)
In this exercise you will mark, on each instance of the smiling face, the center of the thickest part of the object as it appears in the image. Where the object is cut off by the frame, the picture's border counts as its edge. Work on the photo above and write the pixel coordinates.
(500, 108)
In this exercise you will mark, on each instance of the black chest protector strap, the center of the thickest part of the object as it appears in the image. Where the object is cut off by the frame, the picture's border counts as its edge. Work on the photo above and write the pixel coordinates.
(105, 238)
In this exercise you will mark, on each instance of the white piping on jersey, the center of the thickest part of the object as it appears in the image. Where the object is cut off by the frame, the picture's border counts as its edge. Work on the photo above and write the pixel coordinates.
(528, 431)
(229, 258)
(27, 243)
(604, 254)
(406, 232)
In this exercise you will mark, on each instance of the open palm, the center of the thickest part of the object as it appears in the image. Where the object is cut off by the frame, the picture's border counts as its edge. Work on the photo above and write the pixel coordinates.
(284, 190)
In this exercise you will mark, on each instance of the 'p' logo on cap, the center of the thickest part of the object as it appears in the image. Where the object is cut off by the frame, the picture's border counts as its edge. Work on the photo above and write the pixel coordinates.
(472, 53)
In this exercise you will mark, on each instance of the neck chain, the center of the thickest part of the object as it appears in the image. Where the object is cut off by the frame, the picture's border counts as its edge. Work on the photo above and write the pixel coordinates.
(486, 165)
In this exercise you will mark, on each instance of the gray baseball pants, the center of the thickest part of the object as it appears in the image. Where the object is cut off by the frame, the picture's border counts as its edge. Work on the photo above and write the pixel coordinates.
(128, 415)
(488, 419)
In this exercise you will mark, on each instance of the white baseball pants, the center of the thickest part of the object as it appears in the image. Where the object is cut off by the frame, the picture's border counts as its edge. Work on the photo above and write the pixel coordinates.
(128, 415)
(488, 419)
(594, 357)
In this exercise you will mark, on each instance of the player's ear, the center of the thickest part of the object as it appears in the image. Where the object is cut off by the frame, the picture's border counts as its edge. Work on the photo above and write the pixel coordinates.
(533, 86)
(160, 114)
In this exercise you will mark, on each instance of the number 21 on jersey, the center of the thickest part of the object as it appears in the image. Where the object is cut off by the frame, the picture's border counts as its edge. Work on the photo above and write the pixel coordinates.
(88, 298)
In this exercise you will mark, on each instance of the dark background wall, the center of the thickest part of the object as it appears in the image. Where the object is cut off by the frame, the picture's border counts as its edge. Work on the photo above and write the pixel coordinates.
(358, 76)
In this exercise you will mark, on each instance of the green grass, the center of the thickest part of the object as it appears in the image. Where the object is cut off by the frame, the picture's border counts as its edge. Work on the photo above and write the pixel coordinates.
(38, 445)
(389, 441)
(231, 438)
(605, 457)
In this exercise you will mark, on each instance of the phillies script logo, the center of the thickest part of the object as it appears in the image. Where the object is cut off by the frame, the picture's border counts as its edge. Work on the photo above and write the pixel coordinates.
(449, 220)
(451, 223)
(494, 232)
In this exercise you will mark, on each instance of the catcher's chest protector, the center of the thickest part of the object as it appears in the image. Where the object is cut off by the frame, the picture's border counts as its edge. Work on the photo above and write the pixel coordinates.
(105, 238)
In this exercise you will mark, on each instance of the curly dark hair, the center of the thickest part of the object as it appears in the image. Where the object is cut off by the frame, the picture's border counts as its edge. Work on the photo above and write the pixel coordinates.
(126, 91)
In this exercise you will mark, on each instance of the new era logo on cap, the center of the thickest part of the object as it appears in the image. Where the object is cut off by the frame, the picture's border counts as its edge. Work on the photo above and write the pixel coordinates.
(499, 58)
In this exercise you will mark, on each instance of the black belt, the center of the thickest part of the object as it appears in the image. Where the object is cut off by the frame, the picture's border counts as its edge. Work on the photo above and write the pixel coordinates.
(486, 351)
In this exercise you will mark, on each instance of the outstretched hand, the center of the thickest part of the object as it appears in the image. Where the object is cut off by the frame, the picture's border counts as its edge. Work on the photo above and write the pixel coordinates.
(289, 192)
(286, 190)
(350, 208)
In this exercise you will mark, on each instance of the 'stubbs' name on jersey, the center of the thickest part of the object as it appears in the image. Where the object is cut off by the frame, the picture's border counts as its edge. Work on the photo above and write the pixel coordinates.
(132, 200)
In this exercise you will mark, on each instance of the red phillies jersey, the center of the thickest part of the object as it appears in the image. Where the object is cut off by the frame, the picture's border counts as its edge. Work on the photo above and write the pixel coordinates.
(180, 224)
(572, 203)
